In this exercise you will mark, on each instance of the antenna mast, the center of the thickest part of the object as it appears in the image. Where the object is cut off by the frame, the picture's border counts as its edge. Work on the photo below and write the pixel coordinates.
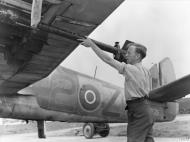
(95, 72)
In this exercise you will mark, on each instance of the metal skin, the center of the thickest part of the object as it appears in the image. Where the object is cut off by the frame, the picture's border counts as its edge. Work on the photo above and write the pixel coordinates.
(29, 54)
(66, 95)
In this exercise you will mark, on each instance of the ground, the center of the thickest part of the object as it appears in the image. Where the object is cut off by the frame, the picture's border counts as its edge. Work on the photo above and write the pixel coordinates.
(175, 131)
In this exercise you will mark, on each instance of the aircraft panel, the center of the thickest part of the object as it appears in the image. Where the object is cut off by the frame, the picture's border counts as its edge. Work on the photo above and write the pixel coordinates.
(60, 93)
(155, 76)
(166, 71)
(101, 99)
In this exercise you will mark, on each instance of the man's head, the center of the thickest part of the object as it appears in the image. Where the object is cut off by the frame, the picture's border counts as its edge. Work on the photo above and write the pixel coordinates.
(135, 53)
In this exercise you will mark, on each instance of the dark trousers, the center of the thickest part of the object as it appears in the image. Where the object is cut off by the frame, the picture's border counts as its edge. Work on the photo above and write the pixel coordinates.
(140, 121)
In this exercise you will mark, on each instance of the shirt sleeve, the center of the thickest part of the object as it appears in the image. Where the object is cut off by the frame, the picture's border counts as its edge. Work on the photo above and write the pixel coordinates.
(121, 69)
(126, 69)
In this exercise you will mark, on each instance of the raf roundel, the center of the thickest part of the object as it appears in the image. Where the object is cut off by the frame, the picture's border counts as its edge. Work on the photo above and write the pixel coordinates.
(89, 98)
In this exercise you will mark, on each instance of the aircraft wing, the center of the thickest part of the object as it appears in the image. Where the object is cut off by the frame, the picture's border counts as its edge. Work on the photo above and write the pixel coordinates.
(172, 91)
(28, 55)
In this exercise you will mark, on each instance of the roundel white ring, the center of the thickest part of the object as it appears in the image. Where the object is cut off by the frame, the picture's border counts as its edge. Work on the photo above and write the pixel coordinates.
(87, 93)
(89, 98)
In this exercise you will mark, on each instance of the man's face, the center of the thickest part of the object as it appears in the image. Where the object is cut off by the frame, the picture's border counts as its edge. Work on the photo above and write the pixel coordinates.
(131, 56)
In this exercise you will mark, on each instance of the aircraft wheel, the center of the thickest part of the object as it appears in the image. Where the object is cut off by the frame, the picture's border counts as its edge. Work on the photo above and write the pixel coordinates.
(88, 130)
(105, 131)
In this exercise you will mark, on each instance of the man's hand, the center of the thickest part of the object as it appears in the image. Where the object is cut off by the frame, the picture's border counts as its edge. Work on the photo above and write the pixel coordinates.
(87, 42)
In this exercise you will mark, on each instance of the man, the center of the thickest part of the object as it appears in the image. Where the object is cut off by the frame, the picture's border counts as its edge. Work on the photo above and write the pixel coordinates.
(137, 86)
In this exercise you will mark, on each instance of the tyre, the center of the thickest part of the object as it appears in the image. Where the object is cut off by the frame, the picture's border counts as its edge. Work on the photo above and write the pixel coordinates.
(104, 133)
(103, 130)
(88, 130)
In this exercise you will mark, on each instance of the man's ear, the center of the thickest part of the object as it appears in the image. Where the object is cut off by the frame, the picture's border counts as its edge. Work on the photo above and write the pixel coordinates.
(138, 55)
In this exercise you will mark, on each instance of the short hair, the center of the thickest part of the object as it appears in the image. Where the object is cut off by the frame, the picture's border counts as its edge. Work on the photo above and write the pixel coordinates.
(141, 49)
(125, 46)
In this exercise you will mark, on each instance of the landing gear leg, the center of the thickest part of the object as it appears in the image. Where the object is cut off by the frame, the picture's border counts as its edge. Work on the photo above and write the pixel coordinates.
(41, 129)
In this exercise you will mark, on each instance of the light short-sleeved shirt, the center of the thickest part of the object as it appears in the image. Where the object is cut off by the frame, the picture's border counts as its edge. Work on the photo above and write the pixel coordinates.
(137, 80)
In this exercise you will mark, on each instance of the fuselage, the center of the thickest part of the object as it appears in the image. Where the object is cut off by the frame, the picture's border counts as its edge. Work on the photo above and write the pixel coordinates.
(66, 95)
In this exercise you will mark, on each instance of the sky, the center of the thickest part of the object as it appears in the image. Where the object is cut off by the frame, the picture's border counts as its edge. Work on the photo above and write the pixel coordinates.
(163, 26)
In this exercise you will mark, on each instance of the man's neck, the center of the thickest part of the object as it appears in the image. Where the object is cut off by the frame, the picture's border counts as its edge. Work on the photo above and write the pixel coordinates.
(137, 62)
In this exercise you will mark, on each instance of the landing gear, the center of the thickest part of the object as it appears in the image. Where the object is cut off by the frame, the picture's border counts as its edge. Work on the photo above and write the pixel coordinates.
(90, 129)
(41, 129)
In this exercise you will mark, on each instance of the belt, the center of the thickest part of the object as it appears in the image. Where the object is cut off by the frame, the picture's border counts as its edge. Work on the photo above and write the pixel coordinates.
(136, 100)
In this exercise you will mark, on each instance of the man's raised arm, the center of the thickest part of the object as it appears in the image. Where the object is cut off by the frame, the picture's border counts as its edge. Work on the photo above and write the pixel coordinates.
(101, 54)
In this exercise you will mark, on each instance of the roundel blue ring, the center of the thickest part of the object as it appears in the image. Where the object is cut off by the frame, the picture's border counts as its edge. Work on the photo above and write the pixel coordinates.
(83, 102)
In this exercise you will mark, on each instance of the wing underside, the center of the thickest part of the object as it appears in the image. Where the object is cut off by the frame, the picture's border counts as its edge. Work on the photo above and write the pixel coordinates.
(172, 91)
(28, 55)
